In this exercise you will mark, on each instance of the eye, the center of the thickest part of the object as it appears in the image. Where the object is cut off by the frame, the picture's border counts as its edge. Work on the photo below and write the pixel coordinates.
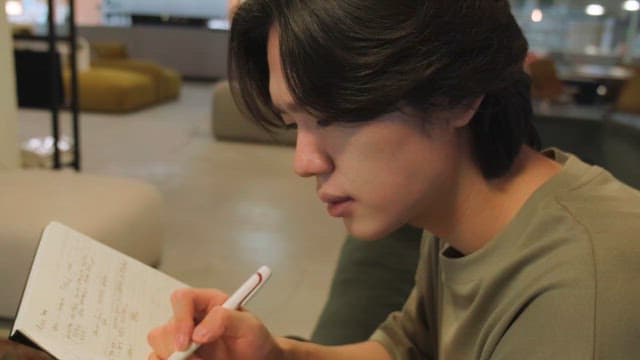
(323, 123)
(287, 124)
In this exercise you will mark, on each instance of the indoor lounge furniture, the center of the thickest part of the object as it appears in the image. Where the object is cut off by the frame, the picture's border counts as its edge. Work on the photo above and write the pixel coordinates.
(125, 214)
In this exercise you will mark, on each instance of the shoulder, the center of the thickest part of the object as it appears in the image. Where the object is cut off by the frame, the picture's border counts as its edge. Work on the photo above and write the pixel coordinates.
(593, 221)
(588, 206)
(594, 229)
(607, 214)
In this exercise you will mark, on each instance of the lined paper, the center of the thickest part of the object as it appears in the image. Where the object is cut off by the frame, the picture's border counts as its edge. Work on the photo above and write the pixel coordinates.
(84, 300)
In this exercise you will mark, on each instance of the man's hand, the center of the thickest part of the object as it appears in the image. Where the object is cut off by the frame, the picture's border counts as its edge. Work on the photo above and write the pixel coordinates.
(198, 316)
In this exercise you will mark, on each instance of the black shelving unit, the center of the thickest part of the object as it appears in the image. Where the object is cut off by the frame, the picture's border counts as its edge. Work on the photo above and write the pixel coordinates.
(54, 105)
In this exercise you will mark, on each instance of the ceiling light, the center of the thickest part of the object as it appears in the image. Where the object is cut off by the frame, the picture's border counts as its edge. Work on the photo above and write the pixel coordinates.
(594, 10)
(631, 5)
(536, 15)
(13, 8)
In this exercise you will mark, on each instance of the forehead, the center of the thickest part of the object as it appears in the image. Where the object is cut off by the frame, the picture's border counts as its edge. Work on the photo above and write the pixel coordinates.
(273, 50)
(278, 89)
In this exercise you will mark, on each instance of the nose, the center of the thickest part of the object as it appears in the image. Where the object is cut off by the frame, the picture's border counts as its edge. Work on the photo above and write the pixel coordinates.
(310, 158)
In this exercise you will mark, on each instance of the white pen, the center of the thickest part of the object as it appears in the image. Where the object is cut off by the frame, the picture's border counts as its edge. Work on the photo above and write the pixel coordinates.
(235, 301)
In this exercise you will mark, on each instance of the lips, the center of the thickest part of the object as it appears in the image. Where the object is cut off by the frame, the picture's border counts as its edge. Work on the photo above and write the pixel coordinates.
(337, 206)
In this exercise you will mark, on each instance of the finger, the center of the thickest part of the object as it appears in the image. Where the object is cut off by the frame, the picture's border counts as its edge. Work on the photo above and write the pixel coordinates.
(153, 356)
(186, 304)
(221, 321)
(161, 340)
(184, 309)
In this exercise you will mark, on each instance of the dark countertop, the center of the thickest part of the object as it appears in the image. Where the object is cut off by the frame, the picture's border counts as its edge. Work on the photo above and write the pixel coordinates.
(597, 113)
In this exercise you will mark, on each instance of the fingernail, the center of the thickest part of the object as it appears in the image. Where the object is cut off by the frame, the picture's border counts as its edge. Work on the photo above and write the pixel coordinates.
(200, 334)
(182, 342)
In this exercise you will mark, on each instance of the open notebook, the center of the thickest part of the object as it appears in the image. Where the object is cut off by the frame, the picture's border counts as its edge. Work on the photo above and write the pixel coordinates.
(84, 300)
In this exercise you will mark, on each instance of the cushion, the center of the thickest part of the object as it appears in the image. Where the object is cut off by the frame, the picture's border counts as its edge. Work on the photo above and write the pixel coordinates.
(167, 82)
(124, 214)
(109, 50)
(112, 90)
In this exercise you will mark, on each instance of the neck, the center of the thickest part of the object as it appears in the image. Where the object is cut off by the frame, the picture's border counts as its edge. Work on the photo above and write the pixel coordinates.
(480, 209)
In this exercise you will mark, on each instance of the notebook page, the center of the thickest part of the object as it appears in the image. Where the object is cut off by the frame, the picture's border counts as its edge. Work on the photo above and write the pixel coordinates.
(84, 300)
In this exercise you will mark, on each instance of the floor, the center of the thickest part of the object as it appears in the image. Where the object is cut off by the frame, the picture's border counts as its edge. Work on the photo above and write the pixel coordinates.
(230, 207)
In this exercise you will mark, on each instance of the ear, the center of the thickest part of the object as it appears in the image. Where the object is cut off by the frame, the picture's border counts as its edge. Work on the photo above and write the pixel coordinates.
(462, 117)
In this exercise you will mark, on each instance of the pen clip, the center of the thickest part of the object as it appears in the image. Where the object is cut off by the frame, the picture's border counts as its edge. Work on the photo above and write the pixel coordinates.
(256, 287)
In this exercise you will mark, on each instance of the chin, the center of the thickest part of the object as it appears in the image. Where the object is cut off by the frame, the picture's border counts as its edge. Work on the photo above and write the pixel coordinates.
(367, 232)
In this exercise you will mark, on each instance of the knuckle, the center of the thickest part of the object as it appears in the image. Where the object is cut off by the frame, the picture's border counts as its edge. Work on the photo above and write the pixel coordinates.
(152, 335)
(254, 324)
(220, 314)
(217, 320)
(179, 325)
(180, 295)
(218, 292)
(215, 293)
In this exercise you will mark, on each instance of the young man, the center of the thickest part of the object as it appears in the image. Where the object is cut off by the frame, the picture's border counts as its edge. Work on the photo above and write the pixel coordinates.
(418, 112)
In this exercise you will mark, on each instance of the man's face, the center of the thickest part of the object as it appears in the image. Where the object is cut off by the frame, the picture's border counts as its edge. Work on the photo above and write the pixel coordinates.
(376, 175)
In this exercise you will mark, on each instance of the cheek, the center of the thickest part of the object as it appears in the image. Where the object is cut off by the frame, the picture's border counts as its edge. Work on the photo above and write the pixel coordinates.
(405, 179)
(392, 164)
(385, 181)
(384, 205)
(392, 188)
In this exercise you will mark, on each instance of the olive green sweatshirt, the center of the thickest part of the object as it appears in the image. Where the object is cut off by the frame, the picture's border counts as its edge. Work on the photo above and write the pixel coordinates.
(561, 281)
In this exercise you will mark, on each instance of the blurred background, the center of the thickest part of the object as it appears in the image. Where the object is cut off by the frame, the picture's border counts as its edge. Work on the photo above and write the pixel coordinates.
(136, 90)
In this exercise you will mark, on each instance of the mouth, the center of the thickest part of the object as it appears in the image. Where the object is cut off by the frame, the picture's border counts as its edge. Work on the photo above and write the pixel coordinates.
(339, 207)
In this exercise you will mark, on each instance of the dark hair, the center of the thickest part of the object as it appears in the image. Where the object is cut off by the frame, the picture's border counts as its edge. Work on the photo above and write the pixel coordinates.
(354, 60)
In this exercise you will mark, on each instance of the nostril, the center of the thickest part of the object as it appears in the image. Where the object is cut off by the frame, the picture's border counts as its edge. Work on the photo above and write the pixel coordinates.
(314, 164)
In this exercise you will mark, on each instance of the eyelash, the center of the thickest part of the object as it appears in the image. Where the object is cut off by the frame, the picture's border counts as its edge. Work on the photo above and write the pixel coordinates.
(320, 123)
(323, 123)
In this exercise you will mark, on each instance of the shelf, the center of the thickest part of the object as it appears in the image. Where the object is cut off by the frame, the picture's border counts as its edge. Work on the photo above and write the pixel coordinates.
(54, 82)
